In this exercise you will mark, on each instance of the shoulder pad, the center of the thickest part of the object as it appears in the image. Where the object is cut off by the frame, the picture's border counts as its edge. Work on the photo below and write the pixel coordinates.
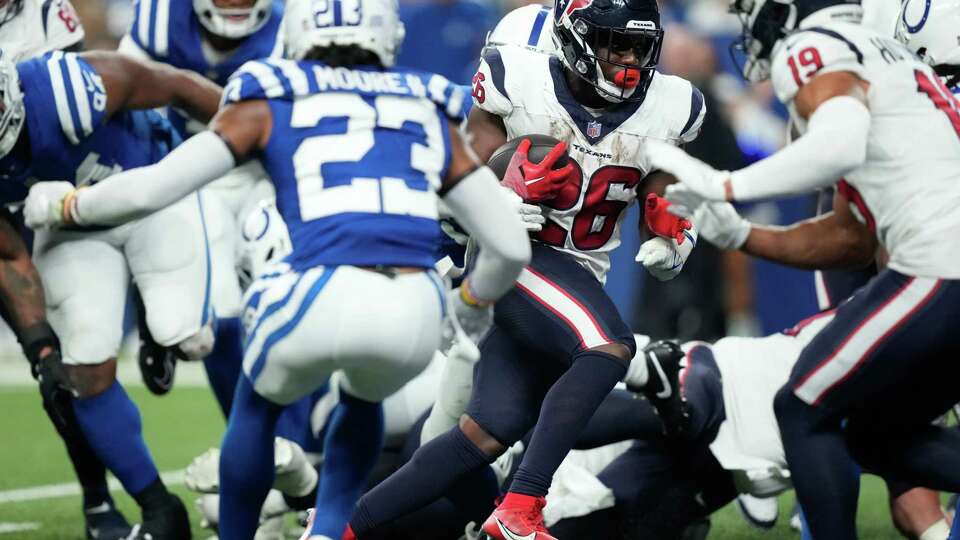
(527, 26)
(151, 26)
(809, 53)
(489, 83)
(61, 24)
(79, 97)
(265, 79)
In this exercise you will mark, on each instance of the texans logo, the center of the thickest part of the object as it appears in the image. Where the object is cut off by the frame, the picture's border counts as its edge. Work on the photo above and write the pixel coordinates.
(573, 5)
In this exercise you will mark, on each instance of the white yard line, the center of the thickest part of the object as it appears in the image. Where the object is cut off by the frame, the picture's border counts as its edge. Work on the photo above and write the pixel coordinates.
(6, 527)
(68, 489)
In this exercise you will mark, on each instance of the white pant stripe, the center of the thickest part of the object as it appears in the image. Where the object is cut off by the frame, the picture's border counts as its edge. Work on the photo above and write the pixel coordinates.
(864, 339)
(560, 303)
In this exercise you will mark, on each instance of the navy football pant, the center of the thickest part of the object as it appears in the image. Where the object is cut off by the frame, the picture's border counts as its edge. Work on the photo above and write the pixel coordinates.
(887, 365)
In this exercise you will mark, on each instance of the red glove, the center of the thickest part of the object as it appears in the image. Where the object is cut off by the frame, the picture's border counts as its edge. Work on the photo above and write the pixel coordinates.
(663, 223)
(536, 182)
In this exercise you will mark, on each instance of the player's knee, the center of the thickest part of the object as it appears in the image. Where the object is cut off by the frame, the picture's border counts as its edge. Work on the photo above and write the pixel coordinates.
(787, 406)
(93, 380)
(618, 350)
(487, 443)
(199, 345)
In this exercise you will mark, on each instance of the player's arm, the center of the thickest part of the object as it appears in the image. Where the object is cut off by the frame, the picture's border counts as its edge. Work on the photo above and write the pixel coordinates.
(239, 130)
(21, 291)
(485, 133)
(472, 193)
(138, 84)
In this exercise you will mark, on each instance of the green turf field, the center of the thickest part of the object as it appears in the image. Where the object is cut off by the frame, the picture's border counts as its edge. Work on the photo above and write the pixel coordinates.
(186, 422)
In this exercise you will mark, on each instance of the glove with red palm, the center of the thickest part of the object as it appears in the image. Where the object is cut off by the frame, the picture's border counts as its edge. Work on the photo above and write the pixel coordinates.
(661, 222)
(537, 182)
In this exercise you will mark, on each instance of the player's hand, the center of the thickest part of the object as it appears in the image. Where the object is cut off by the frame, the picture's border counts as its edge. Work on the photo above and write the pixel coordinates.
(536, 182)
(721, 225)
(55, 385)
(664, 258)
(44, 207)
(701, 178)
(531, 215)
(662, 222)
(472, 321)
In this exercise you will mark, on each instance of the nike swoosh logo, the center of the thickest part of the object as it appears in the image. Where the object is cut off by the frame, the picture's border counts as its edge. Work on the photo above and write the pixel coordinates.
(509, 535)
(99, 509)
(534, 181)
(667, 390)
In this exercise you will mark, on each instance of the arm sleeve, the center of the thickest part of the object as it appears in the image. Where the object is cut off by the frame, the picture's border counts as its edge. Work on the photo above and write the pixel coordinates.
(478, 203)
(137, 192)
(835, 143)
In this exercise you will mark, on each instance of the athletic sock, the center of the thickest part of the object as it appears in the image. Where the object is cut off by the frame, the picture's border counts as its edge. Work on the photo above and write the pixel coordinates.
(566, 409)
(246, 461)
(111, 424)
(820, 466)
(351, 448)
(225, 362)
(90, 471)
(153, 496)
(430, 473)
(937, 531)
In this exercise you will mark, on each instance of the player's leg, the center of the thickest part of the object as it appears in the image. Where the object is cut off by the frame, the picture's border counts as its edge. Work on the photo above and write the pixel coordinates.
(587, 337)
(508, 387)
(223, 364)
(855, 364)
(916, 512)
(86, 282)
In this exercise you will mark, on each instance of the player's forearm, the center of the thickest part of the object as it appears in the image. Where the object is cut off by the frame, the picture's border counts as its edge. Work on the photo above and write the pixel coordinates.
(815, 244)
(21, 291)
(190, 92)
(834, 145)
(138, 192)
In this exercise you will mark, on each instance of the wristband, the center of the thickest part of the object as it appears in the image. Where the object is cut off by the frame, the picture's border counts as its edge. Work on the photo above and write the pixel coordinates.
(68, 210)
(469, 298)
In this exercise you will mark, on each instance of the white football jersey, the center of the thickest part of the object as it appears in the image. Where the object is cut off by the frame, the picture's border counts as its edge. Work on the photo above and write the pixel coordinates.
(753, 370)
(908, 190)
(42, 26)
(528, 90)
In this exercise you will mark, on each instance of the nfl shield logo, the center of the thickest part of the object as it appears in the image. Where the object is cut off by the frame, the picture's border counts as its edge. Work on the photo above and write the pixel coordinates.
(593, 130)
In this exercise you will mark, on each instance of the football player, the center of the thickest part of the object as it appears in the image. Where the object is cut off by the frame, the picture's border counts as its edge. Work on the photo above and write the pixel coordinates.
(69, 115)
(853, 94)
(359, 155)
(558, 345)
(212, 38)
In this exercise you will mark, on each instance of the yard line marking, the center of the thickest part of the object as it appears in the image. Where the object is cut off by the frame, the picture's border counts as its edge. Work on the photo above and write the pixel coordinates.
(68, 489)
(6, 527)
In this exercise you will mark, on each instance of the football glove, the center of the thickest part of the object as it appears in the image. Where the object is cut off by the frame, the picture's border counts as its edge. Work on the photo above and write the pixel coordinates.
(468, 318)
(721, 225)
(536, 182)
(662, 222)
(531, 215)
(664, 258)
(699, 177)
(48, 205)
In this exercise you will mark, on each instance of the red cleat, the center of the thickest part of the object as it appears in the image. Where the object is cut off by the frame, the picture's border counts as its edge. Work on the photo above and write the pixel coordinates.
(348, 534)
(307, 533)
(518, 517)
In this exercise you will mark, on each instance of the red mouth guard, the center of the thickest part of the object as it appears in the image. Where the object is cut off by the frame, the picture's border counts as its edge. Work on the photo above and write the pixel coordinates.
(628, 78)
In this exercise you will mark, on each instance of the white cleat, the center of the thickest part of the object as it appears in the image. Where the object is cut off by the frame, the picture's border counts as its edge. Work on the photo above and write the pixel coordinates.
(761, 513)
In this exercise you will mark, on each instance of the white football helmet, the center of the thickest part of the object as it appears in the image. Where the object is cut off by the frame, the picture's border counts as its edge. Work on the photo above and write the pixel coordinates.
(931, 29)
(233, 22)
(265, 240)
(11, 107)
(372, 25)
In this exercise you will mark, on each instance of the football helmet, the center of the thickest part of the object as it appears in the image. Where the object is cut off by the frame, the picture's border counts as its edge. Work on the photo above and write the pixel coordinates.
(372, 25)
(11, 107)
(931, 29)
(588, 32)
(9, 9)
(265, 240)
(233, 22)
(766, 22)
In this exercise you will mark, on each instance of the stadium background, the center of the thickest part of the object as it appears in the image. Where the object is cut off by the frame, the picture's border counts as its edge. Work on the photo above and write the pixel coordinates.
(718, 293)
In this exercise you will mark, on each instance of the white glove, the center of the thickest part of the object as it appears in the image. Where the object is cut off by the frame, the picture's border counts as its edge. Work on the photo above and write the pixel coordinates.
(466, 322)
(530, 214)
(44, 204)
(701, 178)
(721, 225)
(663, 257)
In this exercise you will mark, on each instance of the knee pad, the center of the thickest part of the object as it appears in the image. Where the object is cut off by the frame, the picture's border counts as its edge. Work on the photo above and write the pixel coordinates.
(199, 345)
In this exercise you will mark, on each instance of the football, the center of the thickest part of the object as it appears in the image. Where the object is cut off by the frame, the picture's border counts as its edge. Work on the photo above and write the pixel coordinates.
(540, 146)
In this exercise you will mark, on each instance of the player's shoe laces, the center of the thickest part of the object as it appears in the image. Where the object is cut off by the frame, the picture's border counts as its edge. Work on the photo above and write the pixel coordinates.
(518, 517)
(168, 522)
(105, 522)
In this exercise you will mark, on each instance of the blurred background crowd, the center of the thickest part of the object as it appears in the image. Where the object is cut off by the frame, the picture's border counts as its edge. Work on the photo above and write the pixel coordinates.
(719, 293)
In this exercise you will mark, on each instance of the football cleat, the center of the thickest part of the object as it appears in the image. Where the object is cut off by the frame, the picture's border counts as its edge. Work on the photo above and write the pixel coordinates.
(665, 360)
(105, 522)
(518, 517)
(157, 363)
(169, 522)
(760, 513)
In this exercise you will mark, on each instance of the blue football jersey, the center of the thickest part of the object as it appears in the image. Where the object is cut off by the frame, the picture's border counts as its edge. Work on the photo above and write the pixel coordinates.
(169, 32)
(356, 156)
(69, 136)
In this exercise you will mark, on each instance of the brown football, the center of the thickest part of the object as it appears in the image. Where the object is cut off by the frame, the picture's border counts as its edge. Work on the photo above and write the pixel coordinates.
(540, 146)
